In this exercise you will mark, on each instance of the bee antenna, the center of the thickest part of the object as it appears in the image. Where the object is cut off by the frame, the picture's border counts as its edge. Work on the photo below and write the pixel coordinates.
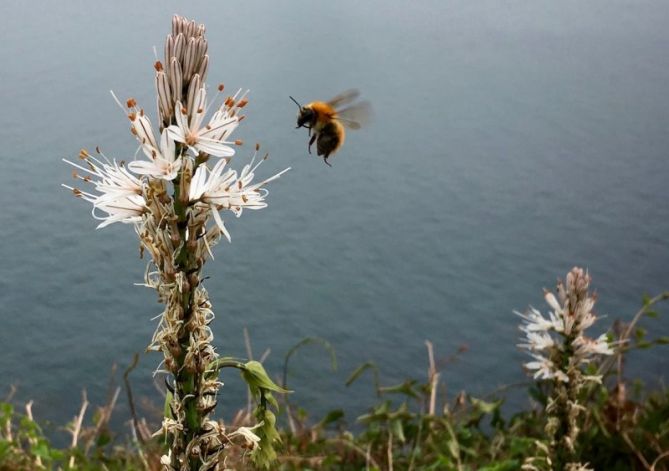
(298, 105)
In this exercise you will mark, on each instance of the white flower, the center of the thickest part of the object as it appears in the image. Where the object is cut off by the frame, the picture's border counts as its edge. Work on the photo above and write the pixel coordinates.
(251, 438)
(586, 347)
(545, 369)
(592, 378)
(534, 321)
(120, 192)
(163, 164)
(210, 138)
(553, 302)
(225, 190)
(537, 341)
(166, 460)
(141, 128)
(561, 338)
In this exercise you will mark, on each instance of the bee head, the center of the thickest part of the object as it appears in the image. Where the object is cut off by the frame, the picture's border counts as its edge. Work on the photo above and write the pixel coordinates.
(305, 117)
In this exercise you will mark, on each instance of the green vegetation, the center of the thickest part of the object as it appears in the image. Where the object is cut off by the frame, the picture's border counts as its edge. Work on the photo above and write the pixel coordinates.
(624, 426)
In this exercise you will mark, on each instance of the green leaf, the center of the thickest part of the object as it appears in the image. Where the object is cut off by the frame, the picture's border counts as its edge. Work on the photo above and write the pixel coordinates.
(256, 377)
(664, 340)
(57, 454)
(103, 439)
(397, 430)
(331, 417)
(40, 449)
(6, 409)
(5, 446)
(405, 388)
(167, 411)
(652, 314)
(452, 442)
(265, 455)
(486, 407)
(508, 465)
(453, 447)
(361, 369)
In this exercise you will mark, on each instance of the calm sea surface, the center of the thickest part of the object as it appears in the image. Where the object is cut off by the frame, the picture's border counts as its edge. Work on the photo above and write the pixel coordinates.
(511, 141)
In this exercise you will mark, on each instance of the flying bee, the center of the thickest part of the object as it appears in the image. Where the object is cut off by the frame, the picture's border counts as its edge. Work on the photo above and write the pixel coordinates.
(327, 120)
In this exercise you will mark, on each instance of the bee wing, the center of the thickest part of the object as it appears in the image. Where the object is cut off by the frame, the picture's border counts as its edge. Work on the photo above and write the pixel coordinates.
(344, 98)
(355, 116)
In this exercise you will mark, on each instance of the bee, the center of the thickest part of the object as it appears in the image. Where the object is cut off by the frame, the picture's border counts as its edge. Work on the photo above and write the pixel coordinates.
(327, 120)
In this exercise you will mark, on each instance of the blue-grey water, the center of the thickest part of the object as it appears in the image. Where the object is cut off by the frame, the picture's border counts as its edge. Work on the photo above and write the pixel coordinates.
(512, 140)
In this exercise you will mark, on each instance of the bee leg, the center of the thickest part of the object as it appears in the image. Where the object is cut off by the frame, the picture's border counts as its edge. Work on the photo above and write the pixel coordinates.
(311, 141)
(325, 159)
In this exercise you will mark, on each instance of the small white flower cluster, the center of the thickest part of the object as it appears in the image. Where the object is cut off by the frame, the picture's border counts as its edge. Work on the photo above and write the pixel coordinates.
(561, 351)
(124, 194)
(558, 343)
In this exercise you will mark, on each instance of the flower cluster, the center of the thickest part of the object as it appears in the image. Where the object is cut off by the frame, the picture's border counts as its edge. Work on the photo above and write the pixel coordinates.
(176, 196)
(561, 352)
(124, 192)
(558, 343)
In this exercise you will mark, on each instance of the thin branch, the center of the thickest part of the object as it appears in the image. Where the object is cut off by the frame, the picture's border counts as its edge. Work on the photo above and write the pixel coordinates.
(635, 450)
(33, 440)
(76, 426)
(433, 378)
(131, 402)
(609, 362)
(658, 459)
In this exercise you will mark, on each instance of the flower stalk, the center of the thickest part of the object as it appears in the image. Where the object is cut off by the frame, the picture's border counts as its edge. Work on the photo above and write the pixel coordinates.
(561, 354)
(176, 199)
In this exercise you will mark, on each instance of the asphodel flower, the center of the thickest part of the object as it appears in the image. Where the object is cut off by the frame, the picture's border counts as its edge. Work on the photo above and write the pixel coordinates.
(120, 194)
(549, 339)
(210, 138)
(561, 351)
(174, 194)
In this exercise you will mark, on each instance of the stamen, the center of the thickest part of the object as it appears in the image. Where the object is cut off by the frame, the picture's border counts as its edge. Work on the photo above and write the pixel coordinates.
(131, 103)
(239, 142)
(83, 154)
(191, 139)
(220, 87)
(158, 66)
